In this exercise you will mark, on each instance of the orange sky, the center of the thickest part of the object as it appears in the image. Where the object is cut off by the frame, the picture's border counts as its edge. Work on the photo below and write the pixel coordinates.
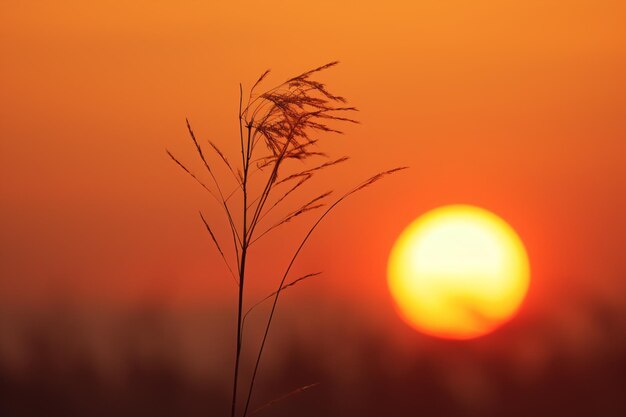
(518, 107)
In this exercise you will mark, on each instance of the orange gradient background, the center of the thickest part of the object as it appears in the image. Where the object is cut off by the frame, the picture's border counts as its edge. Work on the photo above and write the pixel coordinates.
(517, 107)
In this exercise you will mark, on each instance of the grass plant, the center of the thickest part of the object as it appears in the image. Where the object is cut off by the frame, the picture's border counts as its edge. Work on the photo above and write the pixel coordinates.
(277, 125)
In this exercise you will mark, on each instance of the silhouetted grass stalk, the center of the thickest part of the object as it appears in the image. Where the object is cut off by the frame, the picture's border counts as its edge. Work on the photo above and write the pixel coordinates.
(283, 118)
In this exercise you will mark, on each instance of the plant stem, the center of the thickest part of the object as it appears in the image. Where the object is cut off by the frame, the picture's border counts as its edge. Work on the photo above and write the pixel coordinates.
(245, 154)
(277, 294)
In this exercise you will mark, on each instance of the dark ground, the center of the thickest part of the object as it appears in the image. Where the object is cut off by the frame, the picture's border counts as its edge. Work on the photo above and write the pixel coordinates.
(58, 376)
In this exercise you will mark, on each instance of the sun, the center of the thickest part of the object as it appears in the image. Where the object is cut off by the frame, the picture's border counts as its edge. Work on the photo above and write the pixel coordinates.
(458, 272)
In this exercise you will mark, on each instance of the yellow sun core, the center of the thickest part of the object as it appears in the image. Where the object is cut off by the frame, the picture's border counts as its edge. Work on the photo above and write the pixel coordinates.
(458, 272)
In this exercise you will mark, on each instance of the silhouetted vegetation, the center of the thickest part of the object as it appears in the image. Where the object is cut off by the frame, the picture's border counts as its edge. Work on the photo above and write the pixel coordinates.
(276, 126)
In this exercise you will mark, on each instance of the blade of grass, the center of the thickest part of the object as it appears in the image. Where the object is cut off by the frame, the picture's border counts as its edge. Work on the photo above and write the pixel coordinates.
(284, 287)
(284, 397)
(217, 245)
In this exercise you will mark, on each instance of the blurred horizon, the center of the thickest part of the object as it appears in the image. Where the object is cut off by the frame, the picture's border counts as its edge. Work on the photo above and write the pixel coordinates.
(148, 360)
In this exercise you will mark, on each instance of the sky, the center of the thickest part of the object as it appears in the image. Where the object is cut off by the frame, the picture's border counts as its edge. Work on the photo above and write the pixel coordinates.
(517, 107)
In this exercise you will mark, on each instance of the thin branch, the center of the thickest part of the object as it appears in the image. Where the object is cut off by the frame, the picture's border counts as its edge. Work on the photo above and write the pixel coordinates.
(217, 245)
(360, 187)
(219, 189)
(180, 164)
(284, 397)
(268, 186)
(309, 206)
(284, 287)
(304, 176)
(225, 160)
(311, 170)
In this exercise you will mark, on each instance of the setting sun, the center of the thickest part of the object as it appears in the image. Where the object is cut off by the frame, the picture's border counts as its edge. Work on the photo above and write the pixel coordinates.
(458, 272)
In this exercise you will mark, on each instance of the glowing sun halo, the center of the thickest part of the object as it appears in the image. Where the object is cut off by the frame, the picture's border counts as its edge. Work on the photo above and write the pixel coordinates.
(458, 272)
